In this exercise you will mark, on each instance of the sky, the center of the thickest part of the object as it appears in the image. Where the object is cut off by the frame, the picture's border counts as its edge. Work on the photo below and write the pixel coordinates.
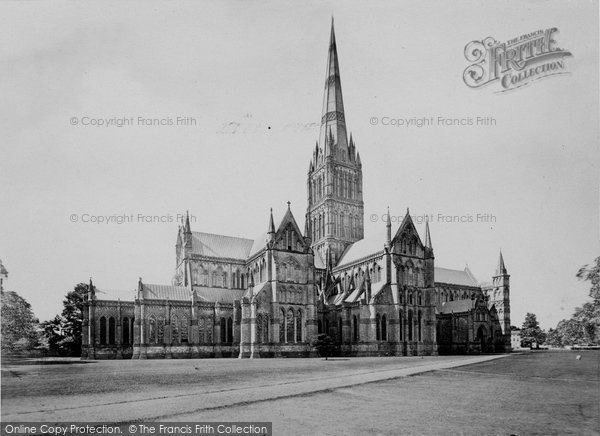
(248, 78)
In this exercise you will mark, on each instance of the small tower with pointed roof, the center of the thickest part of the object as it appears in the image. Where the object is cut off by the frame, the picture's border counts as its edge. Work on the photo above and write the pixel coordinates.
(335, 203)
(499, 296)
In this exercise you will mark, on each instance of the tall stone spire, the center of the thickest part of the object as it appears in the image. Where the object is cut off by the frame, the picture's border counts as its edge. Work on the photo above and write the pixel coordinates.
(335, 201)
(333, 123)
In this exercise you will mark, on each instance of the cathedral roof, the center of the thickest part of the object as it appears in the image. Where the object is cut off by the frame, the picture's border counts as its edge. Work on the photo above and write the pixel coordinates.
(454, 277)
(365, 247)
(456, 306)
(232, 247)
(181, 293)
(166, 292)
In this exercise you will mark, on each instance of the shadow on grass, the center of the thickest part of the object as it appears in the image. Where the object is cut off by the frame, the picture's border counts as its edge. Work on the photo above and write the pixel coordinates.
(336, 359)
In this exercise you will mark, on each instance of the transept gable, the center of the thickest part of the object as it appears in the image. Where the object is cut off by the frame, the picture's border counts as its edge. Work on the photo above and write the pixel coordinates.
(407, 239)
(289, 233)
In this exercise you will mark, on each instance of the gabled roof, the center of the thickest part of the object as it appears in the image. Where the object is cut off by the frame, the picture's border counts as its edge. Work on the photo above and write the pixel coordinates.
(364, 248)
(166, 292)
(454, 277)
(407, 222)
(457, 306)
(208, 244)
(287, 218)
(354, 296)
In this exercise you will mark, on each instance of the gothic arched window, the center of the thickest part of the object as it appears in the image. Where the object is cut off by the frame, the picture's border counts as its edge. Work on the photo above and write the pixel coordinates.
(174, 330)
(384, 328)
(299, 326)
(230, 330)
(410, 325)
(378, 327)
(289, 326)
(223, 330)
(152, 330)
(111, 331)
(282, 326)
(102, 330)
(400, 322)
(125, 332)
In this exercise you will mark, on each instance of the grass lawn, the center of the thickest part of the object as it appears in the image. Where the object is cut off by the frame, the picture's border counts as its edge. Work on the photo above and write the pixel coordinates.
(534, 393)
(530, 393)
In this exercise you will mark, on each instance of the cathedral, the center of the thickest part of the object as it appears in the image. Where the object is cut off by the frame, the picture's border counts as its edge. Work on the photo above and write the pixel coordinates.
(373, 295)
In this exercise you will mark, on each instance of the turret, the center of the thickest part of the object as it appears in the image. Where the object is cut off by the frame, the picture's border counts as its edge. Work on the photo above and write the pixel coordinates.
(187, 235)
(271, 232)
(500, 298)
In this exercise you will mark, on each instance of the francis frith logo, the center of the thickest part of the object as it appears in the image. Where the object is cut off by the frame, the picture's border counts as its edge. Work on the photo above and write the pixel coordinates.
(515, 63)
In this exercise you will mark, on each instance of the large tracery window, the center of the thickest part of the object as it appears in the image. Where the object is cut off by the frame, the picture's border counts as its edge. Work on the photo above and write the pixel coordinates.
(289, 325)
(152, 330)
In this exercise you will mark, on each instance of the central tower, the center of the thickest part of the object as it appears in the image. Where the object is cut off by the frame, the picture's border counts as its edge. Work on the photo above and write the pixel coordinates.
(335, 202)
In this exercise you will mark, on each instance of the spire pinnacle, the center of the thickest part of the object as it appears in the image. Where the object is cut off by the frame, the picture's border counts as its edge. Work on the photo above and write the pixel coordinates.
(388, 226)
(271, 223)
(501, 269)
(187, 222)
(427, 235)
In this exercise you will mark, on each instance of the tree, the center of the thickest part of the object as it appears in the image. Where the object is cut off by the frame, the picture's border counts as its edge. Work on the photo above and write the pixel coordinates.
(584, 326)
(531, 332)
(591, 273)
(324, 345)
(64, 332)
(554, 338)
(18, 324)
(570, 332)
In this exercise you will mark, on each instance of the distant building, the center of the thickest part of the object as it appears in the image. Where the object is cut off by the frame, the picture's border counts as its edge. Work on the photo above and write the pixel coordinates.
(515, 339)
(271, 295)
